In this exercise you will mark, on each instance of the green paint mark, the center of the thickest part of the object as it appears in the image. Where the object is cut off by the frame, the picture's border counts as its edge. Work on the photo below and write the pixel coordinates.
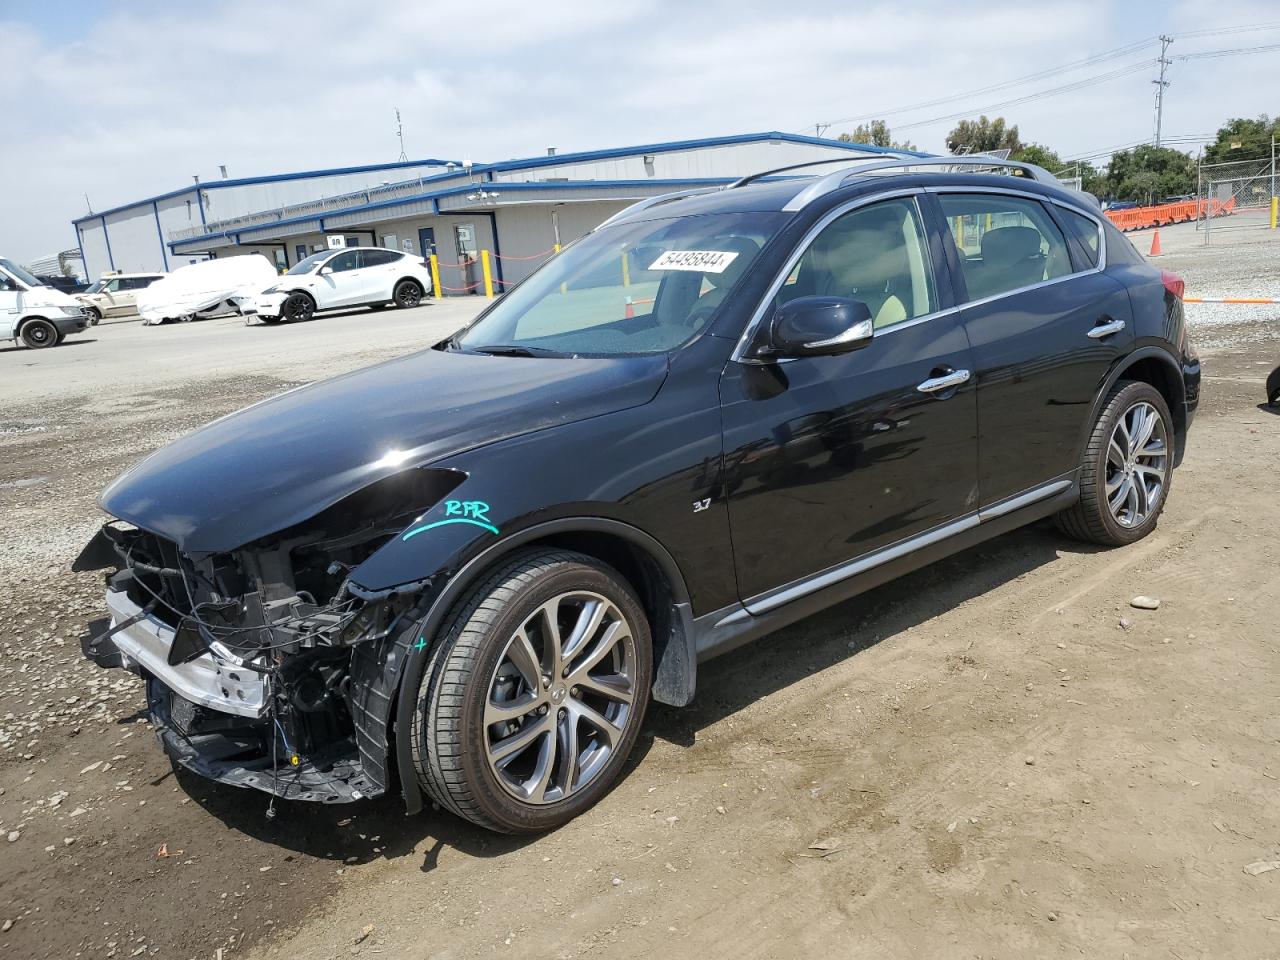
(421, 644)
(474, 512)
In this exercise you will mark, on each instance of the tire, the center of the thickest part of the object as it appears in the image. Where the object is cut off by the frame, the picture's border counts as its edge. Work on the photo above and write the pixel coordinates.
(298, 308)
(1273, 388)
(94, 315)
(476, 661)
(40, 333)
(1122, 496)
(408, 293)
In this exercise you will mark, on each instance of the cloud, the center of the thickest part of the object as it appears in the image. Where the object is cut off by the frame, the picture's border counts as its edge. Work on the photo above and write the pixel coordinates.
(135, 102)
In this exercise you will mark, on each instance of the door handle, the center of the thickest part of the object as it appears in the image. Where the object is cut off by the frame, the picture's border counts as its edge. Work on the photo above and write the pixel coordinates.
(944, 382)
(1106, 328)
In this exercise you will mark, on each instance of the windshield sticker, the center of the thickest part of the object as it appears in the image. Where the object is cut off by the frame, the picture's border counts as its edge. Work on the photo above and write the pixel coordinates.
(474, 512)
(702, 261)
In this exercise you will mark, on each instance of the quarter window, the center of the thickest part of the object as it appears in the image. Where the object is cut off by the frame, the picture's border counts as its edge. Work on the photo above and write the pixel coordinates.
(877, 255)
(1005, 243)
(1085, 231)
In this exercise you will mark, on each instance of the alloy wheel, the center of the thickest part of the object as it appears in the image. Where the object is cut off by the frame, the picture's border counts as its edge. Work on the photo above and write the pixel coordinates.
(1137, 465)
(560, 697)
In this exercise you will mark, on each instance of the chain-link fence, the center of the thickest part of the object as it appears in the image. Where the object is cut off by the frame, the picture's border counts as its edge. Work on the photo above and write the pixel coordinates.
(1235, 195)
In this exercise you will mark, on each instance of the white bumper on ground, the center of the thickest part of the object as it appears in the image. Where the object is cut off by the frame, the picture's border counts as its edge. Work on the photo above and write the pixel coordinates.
(266, 304)
(209, 680)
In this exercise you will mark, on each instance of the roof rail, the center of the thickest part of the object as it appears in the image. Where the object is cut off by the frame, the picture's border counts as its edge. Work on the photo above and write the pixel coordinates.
(752, 177)
(654, 201)
(834, 181)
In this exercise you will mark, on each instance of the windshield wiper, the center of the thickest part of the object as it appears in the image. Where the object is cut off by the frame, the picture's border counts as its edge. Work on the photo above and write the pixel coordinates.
(515, 350)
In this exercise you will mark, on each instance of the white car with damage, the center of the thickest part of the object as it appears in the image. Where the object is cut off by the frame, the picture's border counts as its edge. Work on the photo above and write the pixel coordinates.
(206, 289)
(345, 277)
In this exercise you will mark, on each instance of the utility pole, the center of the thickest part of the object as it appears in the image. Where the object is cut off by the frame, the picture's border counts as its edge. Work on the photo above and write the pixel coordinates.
(1162, 83)
(400, 134)
(820, 128)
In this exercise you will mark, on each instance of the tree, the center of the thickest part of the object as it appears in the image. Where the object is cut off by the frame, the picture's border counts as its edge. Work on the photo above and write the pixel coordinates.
(876, 134)
(1040, 155)
(983, 136)
(1242, 139)
(1148, 174)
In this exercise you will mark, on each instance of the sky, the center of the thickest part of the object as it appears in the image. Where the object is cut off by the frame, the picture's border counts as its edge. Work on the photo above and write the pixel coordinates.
(118, 102)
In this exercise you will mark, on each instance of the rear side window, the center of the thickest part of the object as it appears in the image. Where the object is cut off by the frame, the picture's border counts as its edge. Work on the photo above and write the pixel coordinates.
(1005, 243)
(377, 258)
(875, 254)
(1085, 231)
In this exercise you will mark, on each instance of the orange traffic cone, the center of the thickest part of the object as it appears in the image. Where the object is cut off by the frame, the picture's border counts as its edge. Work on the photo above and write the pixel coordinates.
(1155, 244)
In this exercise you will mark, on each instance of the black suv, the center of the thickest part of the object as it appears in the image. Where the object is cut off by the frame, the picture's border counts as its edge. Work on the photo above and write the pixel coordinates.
(463, 573)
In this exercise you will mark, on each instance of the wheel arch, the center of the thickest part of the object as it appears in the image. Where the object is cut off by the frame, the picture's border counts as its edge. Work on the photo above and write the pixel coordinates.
(1157, 367)
(642, 560)
(411, 279)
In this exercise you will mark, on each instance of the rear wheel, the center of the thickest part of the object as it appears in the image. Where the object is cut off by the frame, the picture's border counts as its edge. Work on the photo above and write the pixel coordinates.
(40, 333)
(1126, 470)
(534, 694)
(299, 308)
(408, 293)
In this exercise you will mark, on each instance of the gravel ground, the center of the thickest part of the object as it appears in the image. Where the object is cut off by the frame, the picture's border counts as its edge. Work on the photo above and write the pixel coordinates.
(993, 756)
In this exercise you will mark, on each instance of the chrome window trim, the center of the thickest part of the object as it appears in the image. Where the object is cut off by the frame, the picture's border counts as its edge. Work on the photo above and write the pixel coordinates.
(803, 246)
(770, 599)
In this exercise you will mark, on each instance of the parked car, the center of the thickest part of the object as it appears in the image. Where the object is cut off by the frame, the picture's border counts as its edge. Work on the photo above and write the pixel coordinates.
(35, 314)
(68, 285)
(207, 289)
(115, 295)
(463, 573)
(346, 277)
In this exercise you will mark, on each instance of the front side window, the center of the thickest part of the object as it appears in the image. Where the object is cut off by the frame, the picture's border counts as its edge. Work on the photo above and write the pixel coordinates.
(1005, 243)
(877, 255)
(345, 261)
(113, 286)
(633, 288)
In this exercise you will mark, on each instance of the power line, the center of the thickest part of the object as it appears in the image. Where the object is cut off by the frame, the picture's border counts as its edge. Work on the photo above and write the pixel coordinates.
(1236, 51)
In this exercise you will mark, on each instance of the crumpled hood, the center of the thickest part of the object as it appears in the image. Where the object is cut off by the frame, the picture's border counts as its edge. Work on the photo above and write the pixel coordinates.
(284, 460)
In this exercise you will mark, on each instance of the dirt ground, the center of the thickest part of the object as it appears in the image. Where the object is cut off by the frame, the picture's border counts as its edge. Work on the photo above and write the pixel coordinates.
(996, 756)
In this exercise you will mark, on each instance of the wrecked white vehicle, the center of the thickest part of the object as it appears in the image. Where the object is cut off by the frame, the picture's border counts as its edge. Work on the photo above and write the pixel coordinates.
(207, 289)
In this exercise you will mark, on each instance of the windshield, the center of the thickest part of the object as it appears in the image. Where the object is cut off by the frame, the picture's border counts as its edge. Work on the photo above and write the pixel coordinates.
(635, 288)
(96, 287)
(16, 271)
(309, 264)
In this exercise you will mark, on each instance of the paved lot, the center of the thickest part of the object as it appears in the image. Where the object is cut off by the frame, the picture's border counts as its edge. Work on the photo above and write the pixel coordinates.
(995, 756)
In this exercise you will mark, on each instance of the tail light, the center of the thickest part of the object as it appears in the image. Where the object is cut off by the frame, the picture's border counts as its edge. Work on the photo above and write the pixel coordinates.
(1173, 283)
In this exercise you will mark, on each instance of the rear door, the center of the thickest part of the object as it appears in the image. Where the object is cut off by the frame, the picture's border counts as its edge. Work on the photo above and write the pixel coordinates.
(378, 270)
(1045, 324)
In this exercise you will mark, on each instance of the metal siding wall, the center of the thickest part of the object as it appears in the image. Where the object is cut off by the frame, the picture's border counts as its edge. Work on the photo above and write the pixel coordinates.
(527, 230)
(96, 262)
(175, 214)
(225, 202)
(730, 160)
(135, 245)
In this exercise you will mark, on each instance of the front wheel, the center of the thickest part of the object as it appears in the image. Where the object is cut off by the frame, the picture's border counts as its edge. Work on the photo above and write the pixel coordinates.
(94, 315)
(299, 308)
(408, 293)
(1126, 469)
(534, 694)
(40, 333)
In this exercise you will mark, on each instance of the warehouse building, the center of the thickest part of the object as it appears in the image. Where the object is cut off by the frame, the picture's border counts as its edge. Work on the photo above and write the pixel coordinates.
(517, 211)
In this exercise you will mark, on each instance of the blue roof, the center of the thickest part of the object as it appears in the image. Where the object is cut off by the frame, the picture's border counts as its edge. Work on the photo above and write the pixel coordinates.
(529, 163)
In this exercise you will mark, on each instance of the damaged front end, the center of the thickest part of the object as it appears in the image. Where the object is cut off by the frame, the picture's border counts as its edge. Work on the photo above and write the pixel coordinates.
(266, 667)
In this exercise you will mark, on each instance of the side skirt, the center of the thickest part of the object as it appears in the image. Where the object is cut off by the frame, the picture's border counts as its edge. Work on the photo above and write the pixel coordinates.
(726, 629)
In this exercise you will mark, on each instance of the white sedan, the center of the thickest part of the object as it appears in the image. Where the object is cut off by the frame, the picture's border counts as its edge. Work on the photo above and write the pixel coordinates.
(346, 277)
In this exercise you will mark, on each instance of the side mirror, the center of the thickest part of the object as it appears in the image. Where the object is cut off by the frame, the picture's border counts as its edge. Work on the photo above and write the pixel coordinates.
(325, 271)
(820, 326)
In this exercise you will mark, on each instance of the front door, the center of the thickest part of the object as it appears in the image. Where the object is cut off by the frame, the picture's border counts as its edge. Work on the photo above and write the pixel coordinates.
(8, 306)
(1045, 326)
(830, 458)
(427, 241)
(112, 306)
(340, 287)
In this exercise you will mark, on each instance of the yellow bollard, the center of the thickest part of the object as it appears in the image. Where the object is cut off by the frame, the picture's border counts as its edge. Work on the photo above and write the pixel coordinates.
(1275, 209)
(556, 247)
(488, 275)
(626, 270)
(435, 276)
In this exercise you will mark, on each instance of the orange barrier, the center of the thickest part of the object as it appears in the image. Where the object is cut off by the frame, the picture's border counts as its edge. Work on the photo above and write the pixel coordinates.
(1143, 218)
